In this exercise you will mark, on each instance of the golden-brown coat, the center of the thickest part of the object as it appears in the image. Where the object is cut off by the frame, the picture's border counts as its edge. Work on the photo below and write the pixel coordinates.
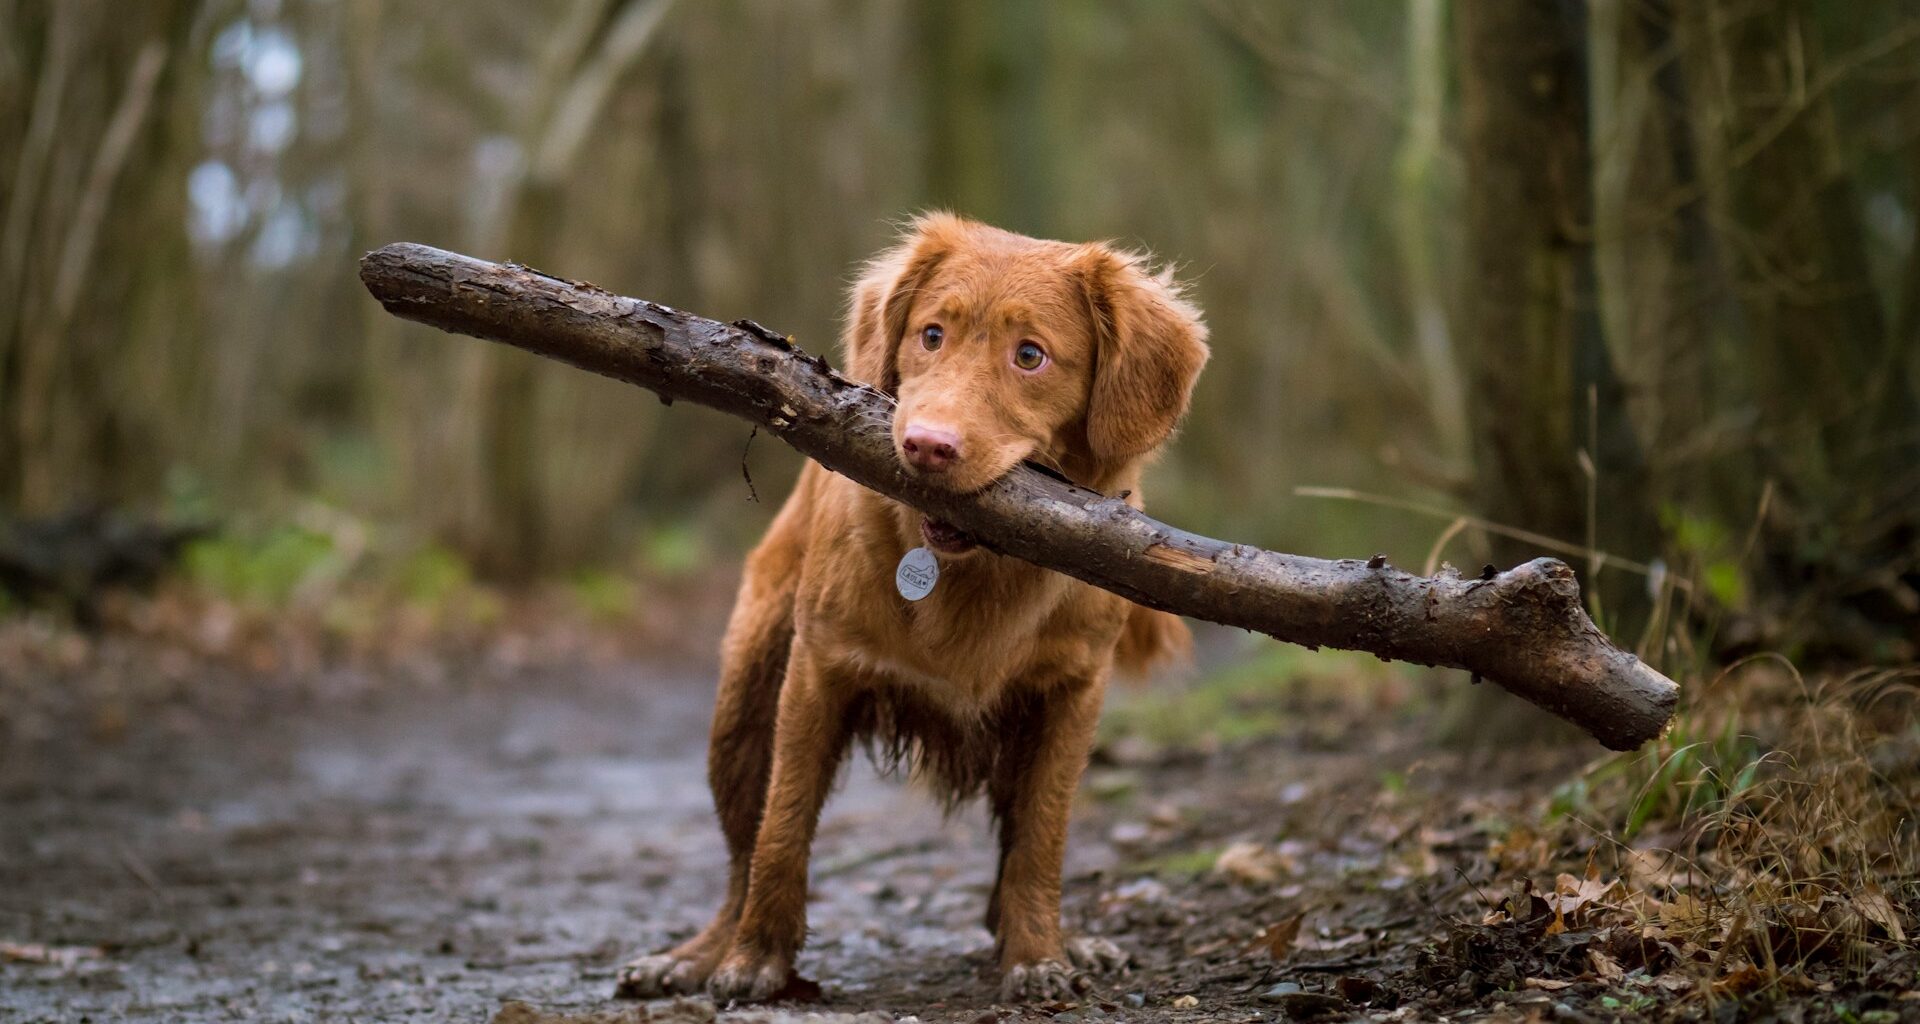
(999, 348)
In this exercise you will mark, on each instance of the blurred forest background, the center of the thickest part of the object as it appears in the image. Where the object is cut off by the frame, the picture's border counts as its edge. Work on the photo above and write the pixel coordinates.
(1633, 282)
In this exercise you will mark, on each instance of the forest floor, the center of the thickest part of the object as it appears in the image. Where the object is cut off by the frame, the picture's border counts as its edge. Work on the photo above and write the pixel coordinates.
(489, 844)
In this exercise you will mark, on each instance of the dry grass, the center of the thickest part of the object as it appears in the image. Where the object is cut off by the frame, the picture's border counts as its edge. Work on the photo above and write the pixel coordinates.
(1770, 840)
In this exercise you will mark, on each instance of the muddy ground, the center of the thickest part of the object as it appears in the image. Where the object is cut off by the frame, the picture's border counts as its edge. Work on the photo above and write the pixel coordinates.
(359, 850)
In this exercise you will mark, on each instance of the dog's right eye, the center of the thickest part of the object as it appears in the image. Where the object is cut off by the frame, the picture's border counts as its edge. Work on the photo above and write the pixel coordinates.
(931, 336)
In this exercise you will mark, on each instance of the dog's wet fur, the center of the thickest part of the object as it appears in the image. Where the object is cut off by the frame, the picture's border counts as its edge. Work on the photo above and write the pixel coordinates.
(992, 684)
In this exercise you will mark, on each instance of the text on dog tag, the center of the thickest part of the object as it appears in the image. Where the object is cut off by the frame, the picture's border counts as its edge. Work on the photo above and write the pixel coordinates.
(916, 574)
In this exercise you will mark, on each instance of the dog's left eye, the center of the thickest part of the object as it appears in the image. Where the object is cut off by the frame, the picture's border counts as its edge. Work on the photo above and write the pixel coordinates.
(1029, 356)
(931, 336)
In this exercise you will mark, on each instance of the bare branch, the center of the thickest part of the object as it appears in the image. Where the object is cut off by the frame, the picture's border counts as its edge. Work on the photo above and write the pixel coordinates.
(578, 110)
(1524, 628)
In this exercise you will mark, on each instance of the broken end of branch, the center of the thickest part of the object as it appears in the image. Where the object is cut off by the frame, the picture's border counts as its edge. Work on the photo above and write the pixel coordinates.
(1557, 658)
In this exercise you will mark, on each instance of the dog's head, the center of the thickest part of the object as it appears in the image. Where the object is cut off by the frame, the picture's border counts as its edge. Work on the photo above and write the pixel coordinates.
(1002, 348)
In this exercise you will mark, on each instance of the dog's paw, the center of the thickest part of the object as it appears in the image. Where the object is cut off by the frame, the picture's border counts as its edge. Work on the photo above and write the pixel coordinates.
(1092, 953)
(661, 974)
(746, 977)
(1042, 981)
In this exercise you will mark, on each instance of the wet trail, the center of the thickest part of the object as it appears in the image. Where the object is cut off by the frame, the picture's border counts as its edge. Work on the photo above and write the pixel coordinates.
(425, 857)
(386, 850)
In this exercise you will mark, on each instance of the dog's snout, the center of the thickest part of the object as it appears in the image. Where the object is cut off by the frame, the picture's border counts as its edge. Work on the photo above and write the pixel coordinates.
(929, 448)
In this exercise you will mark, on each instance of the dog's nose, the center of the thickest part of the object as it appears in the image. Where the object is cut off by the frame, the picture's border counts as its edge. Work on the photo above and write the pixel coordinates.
(930, 449)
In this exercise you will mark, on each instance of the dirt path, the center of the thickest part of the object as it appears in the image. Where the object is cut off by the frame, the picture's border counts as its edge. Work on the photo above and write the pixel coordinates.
(426, 856)
(420, 858)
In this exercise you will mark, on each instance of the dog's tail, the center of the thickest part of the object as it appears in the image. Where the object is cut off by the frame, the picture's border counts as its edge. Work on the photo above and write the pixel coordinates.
(1152, 639)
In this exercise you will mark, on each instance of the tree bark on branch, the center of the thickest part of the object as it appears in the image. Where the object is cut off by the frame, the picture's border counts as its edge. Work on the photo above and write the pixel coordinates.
(1524, 628)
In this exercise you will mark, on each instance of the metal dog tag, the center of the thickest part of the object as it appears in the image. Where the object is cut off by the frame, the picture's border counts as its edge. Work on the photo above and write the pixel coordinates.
(916, 574)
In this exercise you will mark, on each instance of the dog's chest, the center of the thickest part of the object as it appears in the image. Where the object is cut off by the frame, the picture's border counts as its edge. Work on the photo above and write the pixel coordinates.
(970, 639)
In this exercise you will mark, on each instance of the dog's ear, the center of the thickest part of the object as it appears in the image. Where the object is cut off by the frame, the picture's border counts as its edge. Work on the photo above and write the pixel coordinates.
(1149, 346)
(882, 298)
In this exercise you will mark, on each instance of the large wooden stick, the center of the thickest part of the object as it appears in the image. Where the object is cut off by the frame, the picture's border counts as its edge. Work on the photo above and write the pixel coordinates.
(1523, 628)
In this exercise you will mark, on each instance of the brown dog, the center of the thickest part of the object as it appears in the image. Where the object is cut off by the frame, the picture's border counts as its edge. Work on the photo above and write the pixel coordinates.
(999, 348)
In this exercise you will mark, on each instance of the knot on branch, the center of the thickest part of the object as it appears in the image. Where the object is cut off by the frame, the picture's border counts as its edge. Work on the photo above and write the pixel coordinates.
(1548, 582)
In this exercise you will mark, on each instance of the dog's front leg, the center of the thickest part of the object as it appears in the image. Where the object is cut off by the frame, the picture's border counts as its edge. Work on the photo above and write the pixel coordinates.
(810, 740)
(1033, 959)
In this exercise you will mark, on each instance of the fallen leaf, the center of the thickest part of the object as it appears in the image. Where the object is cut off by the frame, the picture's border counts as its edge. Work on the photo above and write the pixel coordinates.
(1250, 862)
(1314, 942)
(1215, 946)
(1655, 868)
(1165, 815)
(1683, 911)
(1277, 939)
(1547, 984)
(1520, 851)
(1740, 981)
(1605, 966)
(1874, 906)
(1572, 895)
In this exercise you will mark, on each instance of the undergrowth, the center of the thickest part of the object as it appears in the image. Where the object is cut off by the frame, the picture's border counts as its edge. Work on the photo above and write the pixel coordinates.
(1767, 845)
(1772, 834)
(318, 586)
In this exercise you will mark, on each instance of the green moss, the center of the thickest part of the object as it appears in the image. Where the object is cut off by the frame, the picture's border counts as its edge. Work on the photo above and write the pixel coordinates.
(1184, 864)
(675, 551)
(1250, 700)
(607, 596)
(432, 576)
(267, 568)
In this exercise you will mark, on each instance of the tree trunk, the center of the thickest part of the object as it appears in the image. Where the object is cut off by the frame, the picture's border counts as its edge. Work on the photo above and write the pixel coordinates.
(1838, 421)
(94, 80)
(1817, 331)
(1524, 629)
(1662, 282)
(591, 51)
(985, 107)
(1540, 379)
(1546, 412)
(1413, 221)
